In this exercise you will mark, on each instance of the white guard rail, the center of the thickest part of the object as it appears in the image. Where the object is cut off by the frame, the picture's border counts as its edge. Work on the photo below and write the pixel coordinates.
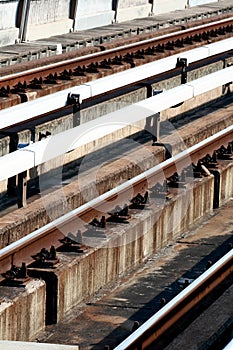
(58, 145)
(16, 246)
(46, 104)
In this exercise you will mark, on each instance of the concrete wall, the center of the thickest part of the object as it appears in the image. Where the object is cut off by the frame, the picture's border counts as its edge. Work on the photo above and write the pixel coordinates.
(23, 20)
(48, 16)
(53, 205)
(93, 13)
(22, 311)
(125, 246)
(8, 30)
(226, 181)
(129, 9)
(77, 278)
(163, 6)
(7, 14)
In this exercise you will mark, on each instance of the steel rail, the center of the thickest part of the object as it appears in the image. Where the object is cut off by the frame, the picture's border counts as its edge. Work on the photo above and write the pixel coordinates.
(35, 154)
(22, 250)
(19, 114)
(164, 319)
(13, 79)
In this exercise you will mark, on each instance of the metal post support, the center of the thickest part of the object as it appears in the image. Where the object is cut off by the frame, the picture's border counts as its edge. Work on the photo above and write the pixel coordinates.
(22, 189)
(226, 88)
(182, 62)
(115, 6)
(33, 134)
(76, 114)
(75, 100)
(153, 6)
(74, 9)
(149, 90)
(157, 141)
(158, 128)
(158, 120)
(217, 183)
(24, 20)
(11, 183)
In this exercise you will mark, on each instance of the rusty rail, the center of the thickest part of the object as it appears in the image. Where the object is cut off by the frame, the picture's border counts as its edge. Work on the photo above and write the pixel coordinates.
(162, 321)
(77, 67)
(23, 249)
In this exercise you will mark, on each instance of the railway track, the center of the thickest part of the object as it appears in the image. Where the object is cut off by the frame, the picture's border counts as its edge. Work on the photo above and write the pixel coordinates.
(156, 333)
(141, 187)
(51, 236)
(42, 80)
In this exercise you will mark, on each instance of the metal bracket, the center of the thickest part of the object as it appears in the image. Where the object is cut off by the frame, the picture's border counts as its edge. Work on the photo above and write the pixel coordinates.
(45, 258)
(176, 180)
(119, 215)
(198, 171)
(98, 223)
(182, 63)
(70, 245)
(160, 191)
(16, 276)
(75, 101)
(139, 201)
(225, 153)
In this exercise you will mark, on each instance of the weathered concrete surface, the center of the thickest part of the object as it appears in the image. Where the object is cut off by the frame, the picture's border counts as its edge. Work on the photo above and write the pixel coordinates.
(62, 123)
(62, 16)
(22, 311)
(226, 181)
(163, 6)
(92, 13)
(128, 10)
(120, 247)
(53, 205)
(8, 30)
(108, 318)
(200, 333)
(47, 18)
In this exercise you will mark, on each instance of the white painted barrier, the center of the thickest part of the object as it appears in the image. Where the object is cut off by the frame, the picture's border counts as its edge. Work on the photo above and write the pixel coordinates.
(58, 145)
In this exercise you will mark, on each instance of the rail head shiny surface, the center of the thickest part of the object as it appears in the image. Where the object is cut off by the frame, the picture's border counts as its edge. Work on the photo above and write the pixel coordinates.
(135, 337)
(59, 144)
(21, 113)
(157, 172)
(119, 48)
